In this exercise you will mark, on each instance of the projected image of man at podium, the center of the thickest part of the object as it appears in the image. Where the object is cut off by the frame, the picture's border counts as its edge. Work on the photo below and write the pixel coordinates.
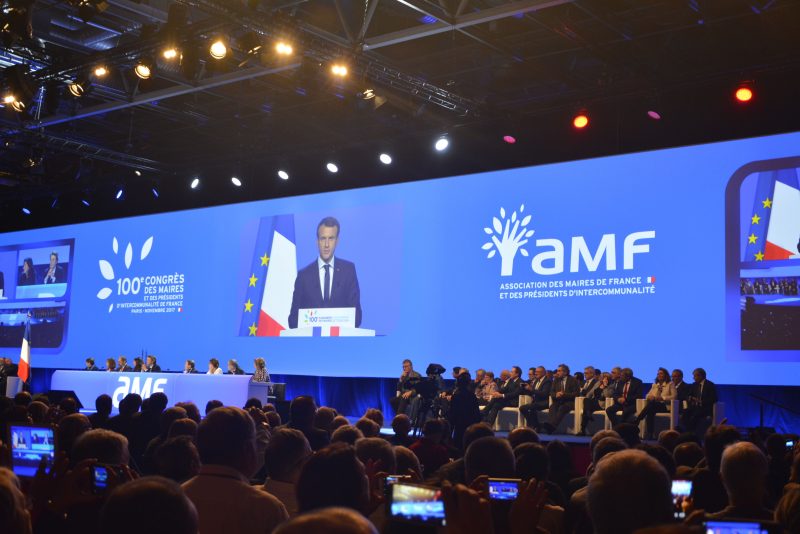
(328, 282)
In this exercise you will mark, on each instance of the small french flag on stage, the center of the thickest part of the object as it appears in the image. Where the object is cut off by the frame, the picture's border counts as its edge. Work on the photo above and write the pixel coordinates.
(23, 372)
(651, 279)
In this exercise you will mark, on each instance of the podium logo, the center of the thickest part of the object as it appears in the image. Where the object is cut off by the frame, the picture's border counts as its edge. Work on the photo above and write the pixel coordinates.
(125, 285)
(508, 236)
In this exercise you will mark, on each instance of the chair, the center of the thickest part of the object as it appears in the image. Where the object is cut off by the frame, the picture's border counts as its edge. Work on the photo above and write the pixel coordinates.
(507, 423)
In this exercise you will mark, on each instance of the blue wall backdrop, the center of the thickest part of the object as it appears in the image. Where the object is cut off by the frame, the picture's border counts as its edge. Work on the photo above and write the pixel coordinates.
(612, 261)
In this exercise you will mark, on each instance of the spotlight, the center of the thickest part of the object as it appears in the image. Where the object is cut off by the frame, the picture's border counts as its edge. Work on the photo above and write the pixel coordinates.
(54, 203)
(744, 94)
(144, 68)
(26, 211)
(510, 139)
(137, 172)
(218, 49)
(120, 193)
(386, 159)
(338, 69)
(283, 175)
(79, 87)
(236, 181)
(441, 144)
(9, 99)
(85, 202)
(169, 53)
(100, 71)
(580, 121)
(653, 114)
(21, 88)
(332, 167)
(195, 182)
(285, 49)
(154, 190)
(250, 42)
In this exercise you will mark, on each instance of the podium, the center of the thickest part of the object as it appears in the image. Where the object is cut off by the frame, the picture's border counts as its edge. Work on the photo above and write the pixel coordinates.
(327, 322)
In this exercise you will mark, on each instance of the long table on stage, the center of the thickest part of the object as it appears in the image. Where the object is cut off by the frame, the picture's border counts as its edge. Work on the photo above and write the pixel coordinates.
(232, 390)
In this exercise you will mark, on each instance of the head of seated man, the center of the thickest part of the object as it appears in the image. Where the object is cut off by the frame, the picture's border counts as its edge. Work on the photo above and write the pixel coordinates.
(105, 446)
(154, 505)
(333, 476)
(335, 520)
(489, 456)
(629, 490)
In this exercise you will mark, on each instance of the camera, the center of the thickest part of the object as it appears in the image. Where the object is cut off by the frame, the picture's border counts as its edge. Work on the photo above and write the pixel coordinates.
(434, 369)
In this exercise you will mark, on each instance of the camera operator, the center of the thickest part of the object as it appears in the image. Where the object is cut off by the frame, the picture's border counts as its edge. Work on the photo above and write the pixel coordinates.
(428, 399)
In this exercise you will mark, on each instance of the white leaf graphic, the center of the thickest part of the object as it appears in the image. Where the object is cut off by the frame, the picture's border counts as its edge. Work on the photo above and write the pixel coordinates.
(115, 246)
(491, 254)
(526, 220)
(523, 252)
(498, 226)
(104, 293)
(522, 208)
(503, 213)
(488, 231)
(529, 233)
(110, 307)
(514, 217)
(106, 270)
(146, 248)
(128, 256)
(487, 246)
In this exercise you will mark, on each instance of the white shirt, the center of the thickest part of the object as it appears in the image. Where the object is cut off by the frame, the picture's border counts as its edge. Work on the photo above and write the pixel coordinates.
(321, 264)
(217, 371)
(226, 502)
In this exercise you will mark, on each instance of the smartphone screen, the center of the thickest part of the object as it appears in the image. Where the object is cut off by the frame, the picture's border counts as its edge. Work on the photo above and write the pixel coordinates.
(503, 489)
(733, 527)
(681, 489)
(29, 444)
(100, 478)
(415, 503)
(789, 443)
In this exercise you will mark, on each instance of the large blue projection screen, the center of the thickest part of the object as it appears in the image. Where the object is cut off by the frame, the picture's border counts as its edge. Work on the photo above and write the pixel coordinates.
(641, 260)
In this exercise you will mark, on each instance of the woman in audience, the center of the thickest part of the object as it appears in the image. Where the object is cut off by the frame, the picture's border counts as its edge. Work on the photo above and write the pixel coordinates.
(489, 387)
(111, 365)
(213, 367)
(662, 392)
(233, 368)
(261, 374)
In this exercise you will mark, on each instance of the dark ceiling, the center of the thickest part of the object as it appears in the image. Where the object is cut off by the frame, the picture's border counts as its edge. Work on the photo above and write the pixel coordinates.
(472, 69)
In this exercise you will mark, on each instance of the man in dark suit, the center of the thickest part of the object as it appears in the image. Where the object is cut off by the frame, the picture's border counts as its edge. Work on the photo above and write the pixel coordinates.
(54, 274)
(627, 390)
(681, 388)
(562, 394)
(539, 389)
(328, 282)
(593, 393)
(702, 397)
(506, 395)
(122, 365)
(152, 365)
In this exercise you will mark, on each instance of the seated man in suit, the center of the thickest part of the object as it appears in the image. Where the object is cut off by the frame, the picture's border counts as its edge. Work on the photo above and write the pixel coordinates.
(328, 282)
(151, 365)
(405, 388)
(539, 389)
(54, 273)
(702, 397)
(682, 389)
(627, 390)
(506, 395)
(563, 392)
(592, 392)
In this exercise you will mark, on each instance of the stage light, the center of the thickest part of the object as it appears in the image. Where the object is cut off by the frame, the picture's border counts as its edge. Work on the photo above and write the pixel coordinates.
(338, 69)
(655, 115)
(85, 202)
(169, 53)
(100, 71)
(154, 190)
(236, 181)
(285, 49)
(386, 159)
(218, 49)
(441, 144)
(120, 193)
(9, 99)
(137, 172)
(250, 42)
(26, 211)
(283, 175)
(332, 167)
(195, 182)
(79, 87)
(510, 139)
(580, 121)
(18, 106)
(744, 94)
(144, 68)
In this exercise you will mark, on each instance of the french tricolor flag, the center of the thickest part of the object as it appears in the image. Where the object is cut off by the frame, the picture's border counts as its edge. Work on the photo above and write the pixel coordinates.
(783, 233)
(24, 370)
(276, 300)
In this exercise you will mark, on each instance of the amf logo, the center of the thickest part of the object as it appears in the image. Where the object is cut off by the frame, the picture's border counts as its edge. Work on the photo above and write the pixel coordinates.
(142, 387)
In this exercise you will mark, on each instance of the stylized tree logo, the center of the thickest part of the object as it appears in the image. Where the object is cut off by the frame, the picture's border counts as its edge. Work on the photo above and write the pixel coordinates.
(125, 285)
(508, 239)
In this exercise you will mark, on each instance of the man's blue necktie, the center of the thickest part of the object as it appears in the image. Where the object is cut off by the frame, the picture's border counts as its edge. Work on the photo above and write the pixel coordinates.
(326, 292)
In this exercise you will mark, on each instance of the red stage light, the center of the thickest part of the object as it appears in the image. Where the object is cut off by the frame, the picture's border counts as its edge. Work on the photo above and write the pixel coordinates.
(580, 121)
(744, 94)
(510, 139)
